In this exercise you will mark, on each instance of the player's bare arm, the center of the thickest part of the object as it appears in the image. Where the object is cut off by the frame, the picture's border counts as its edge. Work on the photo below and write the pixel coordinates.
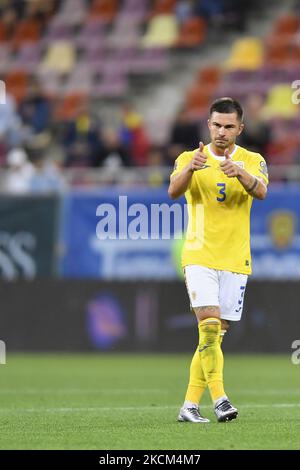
(253, 185)
(179, 183)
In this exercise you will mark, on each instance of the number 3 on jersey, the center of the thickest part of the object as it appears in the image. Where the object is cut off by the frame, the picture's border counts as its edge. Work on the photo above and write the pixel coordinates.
(222, 189)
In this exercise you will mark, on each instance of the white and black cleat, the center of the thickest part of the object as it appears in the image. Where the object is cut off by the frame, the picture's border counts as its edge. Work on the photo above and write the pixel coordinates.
(191, 414)
(225, 411)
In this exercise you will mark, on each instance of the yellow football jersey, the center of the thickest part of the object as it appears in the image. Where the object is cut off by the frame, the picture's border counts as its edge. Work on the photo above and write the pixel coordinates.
(218, 232)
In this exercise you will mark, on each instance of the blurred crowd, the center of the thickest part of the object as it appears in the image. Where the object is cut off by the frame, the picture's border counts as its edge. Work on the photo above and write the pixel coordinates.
(36, 146)
(27, 132)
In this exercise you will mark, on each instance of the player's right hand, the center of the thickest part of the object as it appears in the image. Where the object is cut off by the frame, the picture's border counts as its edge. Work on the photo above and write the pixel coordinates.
(199, 158)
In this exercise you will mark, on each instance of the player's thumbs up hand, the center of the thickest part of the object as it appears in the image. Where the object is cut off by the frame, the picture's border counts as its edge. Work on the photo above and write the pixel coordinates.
(199, 158)
(230, 168)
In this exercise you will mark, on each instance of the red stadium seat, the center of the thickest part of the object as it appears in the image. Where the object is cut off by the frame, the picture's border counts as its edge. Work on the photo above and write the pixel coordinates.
(26, 31)
(209, 75)
(16, 83)
(104, 9)
(286, 24)
(198, 98)
(163, 7)
(277, 50)
(192, 33)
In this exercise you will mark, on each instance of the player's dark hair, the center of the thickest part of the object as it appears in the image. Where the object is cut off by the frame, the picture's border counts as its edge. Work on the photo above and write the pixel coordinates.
(227, 105)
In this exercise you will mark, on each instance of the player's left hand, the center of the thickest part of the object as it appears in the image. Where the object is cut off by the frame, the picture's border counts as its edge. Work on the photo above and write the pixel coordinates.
(228, 167)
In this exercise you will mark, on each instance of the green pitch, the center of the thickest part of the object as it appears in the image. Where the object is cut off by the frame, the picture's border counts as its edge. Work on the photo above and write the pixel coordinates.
(132, 401)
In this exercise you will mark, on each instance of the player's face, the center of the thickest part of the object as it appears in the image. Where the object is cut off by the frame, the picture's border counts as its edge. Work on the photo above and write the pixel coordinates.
(224, 129)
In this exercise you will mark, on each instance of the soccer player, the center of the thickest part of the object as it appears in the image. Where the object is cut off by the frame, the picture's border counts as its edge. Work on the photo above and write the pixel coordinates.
(219, 181)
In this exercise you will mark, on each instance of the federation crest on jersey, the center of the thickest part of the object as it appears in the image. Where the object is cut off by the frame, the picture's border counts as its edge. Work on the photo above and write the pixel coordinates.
(282, 226)
(263, 168)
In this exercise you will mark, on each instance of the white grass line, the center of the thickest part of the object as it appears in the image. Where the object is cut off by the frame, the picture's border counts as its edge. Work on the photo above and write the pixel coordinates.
(133, 408)
(131, 391)
(289, 391)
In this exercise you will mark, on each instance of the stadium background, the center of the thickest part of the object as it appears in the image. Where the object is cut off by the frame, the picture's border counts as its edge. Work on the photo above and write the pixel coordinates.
(101, 96)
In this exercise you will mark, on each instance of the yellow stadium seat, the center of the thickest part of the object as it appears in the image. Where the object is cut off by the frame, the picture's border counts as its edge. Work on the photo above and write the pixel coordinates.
(60, 57)
(279, 102)
(246, 54)
(162, 31)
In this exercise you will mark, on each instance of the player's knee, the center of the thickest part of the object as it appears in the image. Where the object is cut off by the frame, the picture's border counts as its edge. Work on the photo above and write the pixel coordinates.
(210, 331)
(205, 312)
(225, 325)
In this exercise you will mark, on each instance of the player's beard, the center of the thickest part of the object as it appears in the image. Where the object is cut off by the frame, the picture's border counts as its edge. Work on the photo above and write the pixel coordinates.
(224, 144)
(221, 145)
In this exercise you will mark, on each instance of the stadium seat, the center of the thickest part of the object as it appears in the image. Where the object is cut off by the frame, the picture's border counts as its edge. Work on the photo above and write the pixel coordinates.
(209, 75)
(16, 83)
(80, 80)
(246, 53)
(125, 32)
(104, 9)
(162, 31)
(163, 7)
(286, 25)
(294, 54)
(26, 31)
(60, 57)
(192, 33)
(277, 50)
(58, 30)
(135, 8)
(279, 102)
(28, 57)
(3, 33)
(72, 12)
(93, 57)
(6, 60)
(198, 98)
(92, 31)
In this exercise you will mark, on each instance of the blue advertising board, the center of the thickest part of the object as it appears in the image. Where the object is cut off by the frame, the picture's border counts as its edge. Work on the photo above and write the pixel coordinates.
(275, 229)
(119, 233)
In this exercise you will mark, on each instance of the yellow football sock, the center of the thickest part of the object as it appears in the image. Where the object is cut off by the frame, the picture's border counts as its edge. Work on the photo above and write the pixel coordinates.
(221, 337)
(197, 383)
(211, 356)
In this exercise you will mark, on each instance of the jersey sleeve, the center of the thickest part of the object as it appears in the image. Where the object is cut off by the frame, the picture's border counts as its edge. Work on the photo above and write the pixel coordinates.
(259, 168)
(180, 163)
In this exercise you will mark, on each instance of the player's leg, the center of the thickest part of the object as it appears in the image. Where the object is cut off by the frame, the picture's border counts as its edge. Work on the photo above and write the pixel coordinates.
(190, 409)
(224, 328)
(202, 286)
(232, 290)
(197, 382)
(209, 325)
